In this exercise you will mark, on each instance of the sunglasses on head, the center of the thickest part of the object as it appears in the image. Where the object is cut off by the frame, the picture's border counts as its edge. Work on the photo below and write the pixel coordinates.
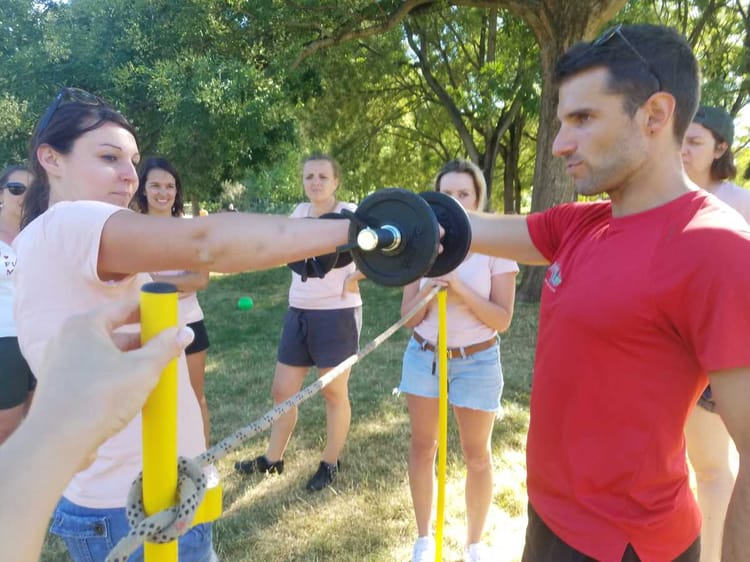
(67, 95)
(616, 31)
(15, 188)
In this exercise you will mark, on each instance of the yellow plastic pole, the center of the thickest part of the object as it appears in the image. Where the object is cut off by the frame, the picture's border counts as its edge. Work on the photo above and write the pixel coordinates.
(159, 311)
(442, 350)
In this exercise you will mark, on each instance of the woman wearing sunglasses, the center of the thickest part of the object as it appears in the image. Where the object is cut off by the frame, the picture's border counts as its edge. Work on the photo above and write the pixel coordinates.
(17, 383)
(81, 247)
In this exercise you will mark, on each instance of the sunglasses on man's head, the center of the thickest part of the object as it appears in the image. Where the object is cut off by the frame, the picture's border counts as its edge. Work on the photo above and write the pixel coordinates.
(67, 95)
(616, 31)
(15, 188)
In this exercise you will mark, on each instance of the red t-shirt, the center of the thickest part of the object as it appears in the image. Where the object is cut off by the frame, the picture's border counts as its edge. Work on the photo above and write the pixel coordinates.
(635, 311)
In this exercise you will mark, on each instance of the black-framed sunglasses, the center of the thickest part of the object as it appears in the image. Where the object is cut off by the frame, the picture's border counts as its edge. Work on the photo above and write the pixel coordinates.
(15, 188)
(67, 95)
(616, 31)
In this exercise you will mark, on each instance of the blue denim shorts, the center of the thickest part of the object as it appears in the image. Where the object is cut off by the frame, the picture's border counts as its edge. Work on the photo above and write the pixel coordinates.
(90, 534)
(474, 382)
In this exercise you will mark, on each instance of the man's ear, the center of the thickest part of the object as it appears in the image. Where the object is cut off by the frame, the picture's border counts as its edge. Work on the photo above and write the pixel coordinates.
(49, 159)
(659, 110)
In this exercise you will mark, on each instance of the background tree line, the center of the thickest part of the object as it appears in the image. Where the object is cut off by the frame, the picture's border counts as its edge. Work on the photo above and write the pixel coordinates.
(236, 91)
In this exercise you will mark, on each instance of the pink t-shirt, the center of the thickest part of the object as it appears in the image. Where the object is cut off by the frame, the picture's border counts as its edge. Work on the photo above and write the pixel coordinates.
(55, 278)
(736, 197)
(326, 293)
(464, 328)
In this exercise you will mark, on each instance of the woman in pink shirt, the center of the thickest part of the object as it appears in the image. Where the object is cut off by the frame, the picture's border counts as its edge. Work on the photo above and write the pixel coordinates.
(160, 194)
(81, 247)
(481, 292)
(321, 329)
(709, 163)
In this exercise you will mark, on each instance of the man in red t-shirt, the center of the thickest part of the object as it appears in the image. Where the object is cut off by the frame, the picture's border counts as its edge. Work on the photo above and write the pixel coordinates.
(646, 299)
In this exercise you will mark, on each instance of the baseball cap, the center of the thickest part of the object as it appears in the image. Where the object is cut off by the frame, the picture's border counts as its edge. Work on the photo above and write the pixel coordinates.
(716, 120)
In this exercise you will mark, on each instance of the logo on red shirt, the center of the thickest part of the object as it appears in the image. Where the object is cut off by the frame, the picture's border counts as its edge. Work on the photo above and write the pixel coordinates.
(553, 279)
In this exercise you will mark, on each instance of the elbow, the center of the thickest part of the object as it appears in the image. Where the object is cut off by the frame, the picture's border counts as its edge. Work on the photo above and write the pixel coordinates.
(502, 328)
(414, 321)
(205, 251)
(503, 323)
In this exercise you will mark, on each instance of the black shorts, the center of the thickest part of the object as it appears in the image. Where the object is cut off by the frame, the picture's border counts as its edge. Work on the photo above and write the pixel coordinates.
(542, 545)
(200, 342)
(16, 378)
(323, 338)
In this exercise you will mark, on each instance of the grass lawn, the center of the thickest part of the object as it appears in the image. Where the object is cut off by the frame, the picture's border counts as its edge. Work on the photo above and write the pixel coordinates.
(367, 514)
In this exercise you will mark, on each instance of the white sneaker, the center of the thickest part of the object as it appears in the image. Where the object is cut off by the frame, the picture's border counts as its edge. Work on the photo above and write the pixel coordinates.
(424, 550)
(476, 552)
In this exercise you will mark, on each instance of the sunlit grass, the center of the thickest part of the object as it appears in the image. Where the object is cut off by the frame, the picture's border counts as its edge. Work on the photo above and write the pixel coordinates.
(367, 514)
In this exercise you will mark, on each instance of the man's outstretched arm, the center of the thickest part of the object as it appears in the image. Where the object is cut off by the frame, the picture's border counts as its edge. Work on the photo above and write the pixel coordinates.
(505, 236)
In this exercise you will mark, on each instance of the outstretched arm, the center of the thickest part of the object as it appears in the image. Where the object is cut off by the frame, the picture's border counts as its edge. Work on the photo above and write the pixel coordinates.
(504, 236)
(224, 242)
(731, 390)
(104, 388)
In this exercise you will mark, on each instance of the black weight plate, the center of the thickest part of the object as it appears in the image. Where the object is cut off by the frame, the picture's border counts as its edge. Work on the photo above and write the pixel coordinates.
(457, 239)
(344, 258)
(414, 219)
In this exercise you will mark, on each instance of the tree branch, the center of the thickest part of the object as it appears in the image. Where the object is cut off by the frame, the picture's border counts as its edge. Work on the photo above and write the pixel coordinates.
(391, 21)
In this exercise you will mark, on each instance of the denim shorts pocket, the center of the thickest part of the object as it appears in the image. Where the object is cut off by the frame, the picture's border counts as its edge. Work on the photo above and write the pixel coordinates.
(87, 537)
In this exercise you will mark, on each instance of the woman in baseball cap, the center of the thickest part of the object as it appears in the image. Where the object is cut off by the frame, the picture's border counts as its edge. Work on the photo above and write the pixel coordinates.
(709, 162)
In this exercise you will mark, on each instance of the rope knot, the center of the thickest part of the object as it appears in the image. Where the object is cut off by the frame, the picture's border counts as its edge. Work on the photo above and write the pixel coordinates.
(166, 525)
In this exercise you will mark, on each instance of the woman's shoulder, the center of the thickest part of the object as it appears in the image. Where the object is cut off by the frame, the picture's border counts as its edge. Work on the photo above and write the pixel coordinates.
(301, 210)
(345, 205)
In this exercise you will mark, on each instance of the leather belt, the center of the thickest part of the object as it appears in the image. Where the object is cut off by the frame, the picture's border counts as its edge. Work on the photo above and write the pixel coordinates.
(456, 352)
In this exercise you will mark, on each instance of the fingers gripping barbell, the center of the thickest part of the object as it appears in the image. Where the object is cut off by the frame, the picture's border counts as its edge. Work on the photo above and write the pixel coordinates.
(394, 237)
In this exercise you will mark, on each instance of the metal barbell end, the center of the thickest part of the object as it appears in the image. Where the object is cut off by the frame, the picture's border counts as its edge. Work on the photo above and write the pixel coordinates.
(387, 238)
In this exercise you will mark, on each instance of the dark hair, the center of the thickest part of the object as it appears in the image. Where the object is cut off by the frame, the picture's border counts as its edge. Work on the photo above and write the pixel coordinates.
(10, 170)
(140, 200)
(465, 167)
(66, 123)
(641, 60)
(328, 158)
(723, 167)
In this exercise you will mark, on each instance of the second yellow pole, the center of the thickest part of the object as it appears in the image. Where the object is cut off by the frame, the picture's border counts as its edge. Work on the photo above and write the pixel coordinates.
(442, 360)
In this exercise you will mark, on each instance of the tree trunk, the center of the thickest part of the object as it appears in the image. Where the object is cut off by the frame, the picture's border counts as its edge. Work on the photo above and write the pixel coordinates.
(511, 156)
(556, 24)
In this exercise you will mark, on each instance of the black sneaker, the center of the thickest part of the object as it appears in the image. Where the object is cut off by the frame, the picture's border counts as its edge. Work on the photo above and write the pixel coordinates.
(259, 465)
(324, 476)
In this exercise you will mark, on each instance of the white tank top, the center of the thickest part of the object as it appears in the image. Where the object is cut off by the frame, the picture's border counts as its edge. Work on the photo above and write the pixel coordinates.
(7, 266)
